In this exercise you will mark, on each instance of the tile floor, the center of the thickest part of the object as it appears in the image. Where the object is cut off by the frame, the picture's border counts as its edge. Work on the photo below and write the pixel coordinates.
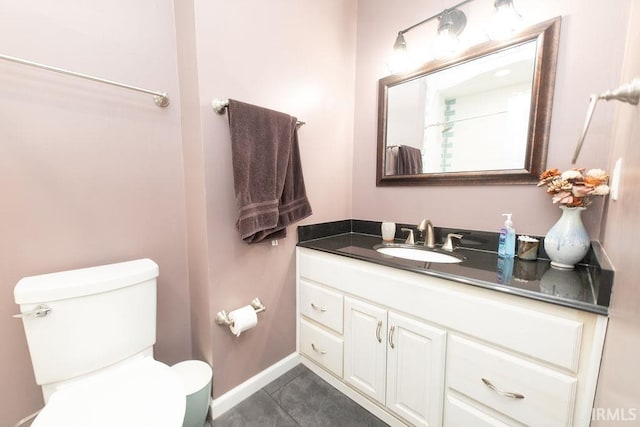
(297, 398)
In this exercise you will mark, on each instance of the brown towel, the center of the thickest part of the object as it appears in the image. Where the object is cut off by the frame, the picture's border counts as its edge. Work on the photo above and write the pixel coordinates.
(267, 172)
(409, 160)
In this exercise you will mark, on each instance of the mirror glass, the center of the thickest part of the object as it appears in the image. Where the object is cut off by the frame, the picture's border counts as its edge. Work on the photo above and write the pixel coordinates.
(483, 117)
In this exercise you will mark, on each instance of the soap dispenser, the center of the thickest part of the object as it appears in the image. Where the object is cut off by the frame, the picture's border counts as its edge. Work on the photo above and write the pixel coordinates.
(507, 242)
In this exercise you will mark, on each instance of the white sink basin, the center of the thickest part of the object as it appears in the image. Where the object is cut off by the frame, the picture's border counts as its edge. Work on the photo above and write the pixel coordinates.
(418, 253)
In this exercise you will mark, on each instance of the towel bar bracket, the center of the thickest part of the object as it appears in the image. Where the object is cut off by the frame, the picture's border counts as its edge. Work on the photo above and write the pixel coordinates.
(220, 105)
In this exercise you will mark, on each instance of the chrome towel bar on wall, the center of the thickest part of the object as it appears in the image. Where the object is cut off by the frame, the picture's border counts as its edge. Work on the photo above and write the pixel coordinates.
(220, 107)
(160, 98)
(629, 93)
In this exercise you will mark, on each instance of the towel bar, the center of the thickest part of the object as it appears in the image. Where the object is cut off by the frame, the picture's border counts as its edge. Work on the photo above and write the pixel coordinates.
(160, 98)
(220, 107)
(629, 93)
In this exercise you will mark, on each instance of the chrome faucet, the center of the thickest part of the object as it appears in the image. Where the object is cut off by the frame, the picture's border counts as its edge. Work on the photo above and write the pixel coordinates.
(429, 240)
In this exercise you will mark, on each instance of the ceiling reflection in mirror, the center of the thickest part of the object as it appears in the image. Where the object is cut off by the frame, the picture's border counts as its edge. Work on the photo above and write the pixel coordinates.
(483, 117)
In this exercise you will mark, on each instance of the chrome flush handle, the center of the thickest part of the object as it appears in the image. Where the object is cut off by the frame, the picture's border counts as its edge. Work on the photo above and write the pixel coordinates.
(38, 311)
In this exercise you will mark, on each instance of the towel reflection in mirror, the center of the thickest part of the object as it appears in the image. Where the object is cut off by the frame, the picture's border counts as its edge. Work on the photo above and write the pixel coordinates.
(403, 160)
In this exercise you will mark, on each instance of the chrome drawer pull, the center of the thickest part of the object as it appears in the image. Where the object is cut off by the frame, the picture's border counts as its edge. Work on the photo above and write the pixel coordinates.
(316, 308)
(393, 328)
(502, 392)
(378, 329)
(313, 346)
(38, 311)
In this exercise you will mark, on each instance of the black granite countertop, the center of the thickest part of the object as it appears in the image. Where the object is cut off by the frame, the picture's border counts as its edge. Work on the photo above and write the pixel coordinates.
(587, 287)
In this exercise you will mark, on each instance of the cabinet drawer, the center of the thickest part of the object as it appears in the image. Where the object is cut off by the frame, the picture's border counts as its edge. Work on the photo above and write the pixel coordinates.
(548, 395)
(322, 305)
(321, 346)
(460, 414)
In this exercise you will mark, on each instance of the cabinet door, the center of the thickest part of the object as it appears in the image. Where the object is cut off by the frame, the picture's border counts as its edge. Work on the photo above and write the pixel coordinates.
(415, 370)
(365, 341)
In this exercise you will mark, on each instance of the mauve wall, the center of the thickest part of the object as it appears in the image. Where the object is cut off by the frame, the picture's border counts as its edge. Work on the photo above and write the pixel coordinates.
(194, 173)
(296, 57)
(590, 60)
(619, 389)
(90, 174)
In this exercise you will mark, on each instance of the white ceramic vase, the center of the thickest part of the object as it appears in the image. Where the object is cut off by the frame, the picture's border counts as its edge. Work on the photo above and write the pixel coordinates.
(567, 242)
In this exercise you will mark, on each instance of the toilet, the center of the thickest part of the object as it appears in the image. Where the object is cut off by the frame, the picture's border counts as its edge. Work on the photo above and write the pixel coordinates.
(90, 334)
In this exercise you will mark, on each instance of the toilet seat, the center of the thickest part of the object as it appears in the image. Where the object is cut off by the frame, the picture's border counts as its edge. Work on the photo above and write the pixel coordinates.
(142, 393)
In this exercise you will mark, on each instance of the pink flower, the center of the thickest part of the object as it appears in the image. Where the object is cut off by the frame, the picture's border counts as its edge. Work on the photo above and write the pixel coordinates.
(581, 190)
(564, 198)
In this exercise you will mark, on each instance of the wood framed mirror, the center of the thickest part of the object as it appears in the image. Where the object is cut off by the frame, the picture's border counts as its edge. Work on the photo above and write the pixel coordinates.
(482, 117)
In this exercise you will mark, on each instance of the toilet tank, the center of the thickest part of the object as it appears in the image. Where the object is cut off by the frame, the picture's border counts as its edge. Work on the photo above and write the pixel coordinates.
(99, 316)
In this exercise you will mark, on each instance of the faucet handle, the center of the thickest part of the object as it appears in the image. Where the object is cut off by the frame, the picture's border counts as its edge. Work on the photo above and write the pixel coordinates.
(410, 240)
(450, 244)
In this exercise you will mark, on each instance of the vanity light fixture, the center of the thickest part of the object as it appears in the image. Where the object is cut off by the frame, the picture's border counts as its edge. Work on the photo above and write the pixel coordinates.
(452, 22)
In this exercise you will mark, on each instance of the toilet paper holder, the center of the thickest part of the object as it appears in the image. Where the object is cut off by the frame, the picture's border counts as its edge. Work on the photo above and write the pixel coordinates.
(222, 318)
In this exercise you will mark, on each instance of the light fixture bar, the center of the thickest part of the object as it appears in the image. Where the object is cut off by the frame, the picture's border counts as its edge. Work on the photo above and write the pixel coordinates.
(433, 17)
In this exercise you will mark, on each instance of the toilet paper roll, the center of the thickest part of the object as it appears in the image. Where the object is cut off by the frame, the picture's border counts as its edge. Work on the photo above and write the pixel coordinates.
(243, 318)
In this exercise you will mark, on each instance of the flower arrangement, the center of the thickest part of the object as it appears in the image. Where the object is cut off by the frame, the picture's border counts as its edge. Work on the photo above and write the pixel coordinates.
(575, 187)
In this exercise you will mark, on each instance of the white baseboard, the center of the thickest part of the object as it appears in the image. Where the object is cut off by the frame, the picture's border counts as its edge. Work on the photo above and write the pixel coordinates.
(223, 403)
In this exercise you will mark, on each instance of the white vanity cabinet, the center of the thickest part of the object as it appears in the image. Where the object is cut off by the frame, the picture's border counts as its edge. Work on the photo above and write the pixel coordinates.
(395, 360)
(420, 350)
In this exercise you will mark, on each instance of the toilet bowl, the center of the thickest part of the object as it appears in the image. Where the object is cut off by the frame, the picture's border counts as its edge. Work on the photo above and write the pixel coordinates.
(90, 334)
(144, 393)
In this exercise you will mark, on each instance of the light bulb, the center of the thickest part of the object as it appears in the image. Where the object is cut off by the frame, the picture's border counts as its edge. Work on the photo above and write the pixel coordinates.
(445, 44)
(400, 60)
(452, 23)
(505, 21)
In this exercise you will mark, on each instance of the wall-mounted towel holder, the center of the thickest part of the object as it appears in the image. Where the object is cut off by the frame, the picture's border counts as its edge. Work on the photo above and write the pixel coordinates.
(222, 317)
(629, 93)
(220, 107)
(161, 99)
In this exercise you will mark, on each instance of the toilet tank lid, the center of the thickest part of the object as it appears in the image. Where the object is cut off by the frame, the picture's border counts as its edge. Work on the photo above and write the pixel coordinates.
(84, 281)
